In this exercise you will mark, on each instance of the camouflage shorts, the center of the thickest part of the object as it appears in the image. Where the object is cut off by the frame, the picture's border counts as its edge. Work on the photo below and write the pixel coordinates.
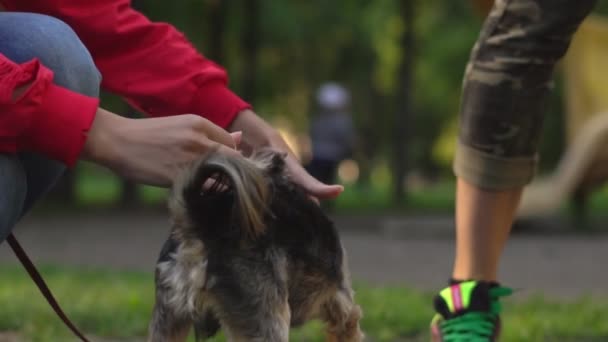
(505, 88)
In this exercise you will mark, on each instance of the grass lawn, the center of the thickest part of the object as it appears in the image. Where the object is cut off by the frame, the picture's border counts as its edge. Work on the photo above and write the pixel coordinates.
(116, 307)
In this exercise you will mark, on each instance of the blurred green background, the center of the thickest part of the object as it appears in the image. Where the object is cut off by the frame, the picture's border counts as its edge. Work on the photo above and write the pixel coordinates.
(403, 61)
(405, 90)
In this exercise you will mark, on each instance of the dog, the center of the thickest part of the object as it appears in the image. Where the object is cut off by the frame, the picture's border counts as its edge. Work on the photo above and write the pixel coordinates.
(249, 252)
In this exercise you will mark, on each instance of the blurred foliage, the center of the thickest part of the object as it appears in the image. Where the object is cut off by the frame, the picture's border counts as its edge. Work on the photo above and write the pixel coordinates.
(356, 42)
(301, 44)
(99, 188)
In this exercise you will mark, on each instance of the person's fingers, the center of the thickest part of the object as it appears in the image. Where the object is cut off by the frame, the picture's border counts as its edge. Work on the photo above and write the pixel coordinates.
(314, 199)
(312, 186)
(238, 137)
(318, 189)
(228, 151)
(217, 134)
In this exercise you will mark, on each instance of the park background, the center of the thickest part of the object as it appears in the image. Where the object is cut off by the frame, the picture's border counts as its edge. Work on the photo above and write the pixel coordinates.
(96, 236)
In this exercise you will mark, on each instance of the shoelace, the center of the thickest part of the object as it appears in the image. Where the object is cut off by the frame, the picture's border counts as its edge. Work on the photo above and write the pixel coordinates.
(475, 326)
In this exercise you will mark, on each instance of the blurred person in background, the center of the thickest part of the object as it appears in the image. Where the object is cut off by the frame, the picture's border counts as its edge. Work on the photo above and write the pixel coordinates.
(506, 84)
(332, 133)
(55, 55)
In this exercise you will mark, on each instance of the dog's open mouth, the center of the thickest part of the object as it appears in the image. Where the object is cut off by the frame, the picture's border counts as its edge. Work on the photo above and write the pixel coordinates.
(216, 183)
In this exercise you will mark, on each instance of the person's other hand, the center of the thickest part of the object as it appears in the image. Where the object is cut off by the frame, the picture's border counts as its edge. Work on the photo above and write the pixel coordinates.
(152, 151)
(257, 133)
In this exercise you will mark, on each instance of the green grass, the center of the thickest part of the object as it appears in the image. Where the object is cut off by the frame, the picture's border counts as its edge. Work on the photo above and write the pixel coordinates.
(117, 305)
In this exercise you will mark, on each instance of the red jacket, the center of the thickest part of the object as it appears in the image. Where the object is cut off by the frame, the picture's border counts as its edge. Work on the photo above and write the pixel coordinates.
(152, 65)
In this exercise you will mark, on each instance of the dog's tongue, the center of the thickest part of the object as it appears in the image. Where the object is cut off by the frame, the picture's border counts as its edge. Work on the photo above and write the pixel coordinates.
(213, 185)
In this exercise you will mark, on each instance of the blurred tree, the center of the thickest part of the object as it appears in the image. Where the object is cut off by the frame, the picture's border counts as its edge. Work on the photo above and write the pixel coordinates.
(250, 41)
(128, 189)
(280, 51)
(217, 25)
(482, 6)
(403, 118)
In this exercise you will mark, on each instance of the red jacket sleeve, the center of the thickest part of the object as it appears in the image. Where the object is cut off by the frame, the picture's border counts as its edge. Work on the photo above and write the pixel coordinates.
(151, 64)
(45, 118)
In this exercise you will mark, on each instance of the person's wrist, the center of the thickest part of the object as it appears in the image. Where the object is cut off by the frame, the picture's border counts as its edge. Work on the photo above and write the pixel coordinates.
(103, 138)
(256, 132)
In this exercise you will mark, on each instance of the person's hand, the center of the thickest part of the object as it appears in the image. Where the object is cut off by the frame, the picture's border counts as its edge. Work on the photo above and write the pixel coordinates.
(152, 151)
(257, 133)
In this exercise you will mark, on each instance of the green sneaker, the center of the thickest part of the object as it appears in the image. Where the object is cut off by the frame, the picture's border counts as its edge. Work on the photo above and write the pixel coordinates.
(468, 312)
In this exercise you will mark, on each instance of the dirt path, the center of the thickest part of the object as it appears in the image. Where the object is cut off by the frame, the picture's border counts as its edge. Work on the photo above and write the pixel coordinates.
(381, 252)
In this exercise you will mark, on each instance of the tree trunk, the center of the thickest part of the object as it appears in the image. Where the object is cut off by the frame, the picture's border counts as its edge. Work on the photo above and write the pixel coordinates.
(217, 19)
(370, 134)
(250, 43)
(403, 117)
(128, 189)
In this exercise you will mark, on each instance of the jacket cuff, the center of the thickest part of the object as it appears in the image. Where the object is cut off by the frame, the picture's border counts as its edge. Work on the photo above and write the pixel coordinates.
(59, 129)
(218, 104)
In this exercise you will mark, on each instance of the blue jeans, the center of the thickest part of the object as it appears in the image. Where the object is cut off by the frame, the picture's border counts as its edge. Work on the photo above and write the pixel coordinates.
(25, 177)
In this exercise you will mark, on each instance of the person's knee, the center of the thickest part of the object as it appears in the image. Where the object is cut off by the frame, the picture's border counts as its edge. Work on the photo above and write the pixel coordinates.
(24, 36)
(13, 188)
(529, 33)
(506, 84)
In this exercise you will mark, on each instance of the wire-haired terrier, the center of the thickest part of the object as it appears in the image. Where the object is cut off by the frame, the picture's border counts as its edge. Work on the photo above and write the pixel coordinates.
(251, 253)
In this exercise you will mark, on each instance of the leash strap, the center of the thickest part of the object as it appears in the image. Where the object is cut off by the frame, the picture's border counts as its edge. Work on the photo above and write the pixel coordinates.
(44, 289)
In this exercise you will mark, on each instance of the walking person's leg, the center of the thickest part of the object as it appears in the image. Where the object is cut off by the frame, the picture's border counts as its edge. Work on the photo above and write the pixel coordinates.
(505, 87)
(25, 177)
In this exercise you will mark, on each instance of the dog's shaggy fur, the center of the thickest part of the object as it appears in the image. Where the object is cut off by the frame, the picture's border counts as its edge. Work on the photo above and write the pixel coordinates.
(250, 253)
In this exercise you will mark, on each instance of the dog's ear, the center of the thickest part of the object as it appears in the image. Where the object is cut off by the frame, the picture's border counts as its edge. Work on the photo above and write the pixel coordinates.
(271, 161)
(277, 163)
